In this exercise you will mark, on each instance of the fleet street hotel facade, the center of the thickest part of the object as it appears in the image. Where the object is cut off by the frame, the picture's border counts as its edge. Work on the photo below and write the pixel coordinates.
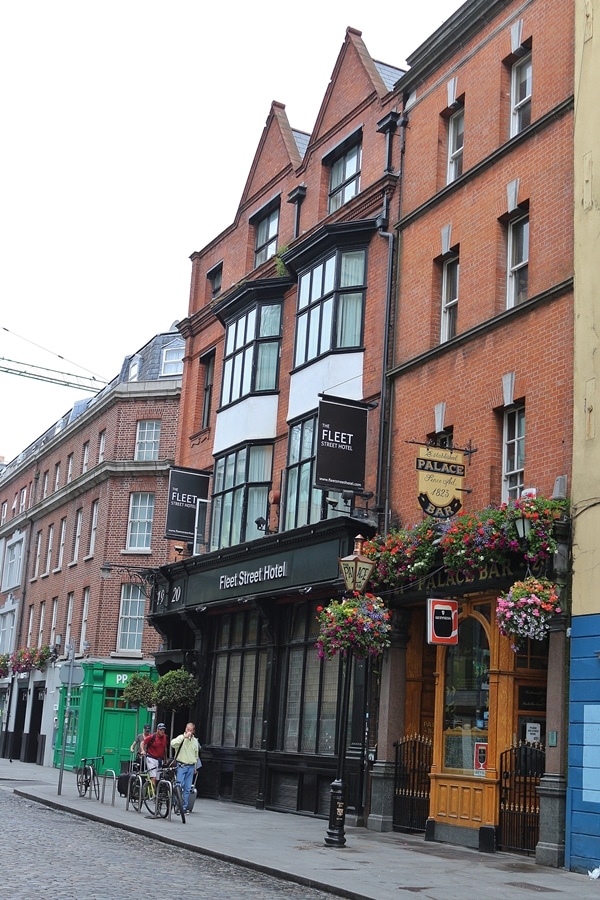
(288, 312)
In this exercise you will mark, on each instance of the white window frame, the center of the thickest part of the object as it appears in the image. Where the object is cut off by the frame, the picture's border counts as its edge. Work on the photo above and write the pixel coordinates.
(38, 553)
(131, 618)
(134, 368)
(7, 630)
(23, 500)
(61, 544)
(172, 360)
(101, 445)
(93, 527)
(456, 143)
(54, 621)
(517, 256)
(77, 534)
(45, 484)
(13, 563)
(4, 512)
(147, 440)
(69, 468)
(140, 519)
(56, 476)
(40, 637)
(48, 565)
(520, 100)
(69, 624)
(450, 292)
(30, 626)
(86, 457)
(513, 452)
(84, 618)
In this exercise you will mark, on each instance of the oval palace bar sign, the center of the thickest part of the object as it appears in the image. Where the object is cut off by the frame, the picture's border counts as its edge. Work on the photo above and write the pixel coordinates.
(440, 479)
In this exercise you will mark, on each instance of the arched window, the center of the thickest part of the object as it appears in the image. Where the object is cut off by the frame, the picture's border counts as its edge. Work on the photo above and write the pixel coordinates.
(466, 697)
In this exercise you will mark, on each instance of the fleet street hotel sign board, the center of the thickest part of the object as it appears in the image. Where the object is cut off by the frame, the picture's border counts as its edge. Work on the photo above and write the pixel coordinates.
(440, 474)
(186, 505)
(341, 445)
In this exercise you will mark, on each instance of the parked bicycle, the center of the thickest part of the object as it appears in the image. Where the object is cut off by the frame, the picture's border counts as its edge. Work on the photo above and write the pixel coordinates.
(87, 776)
(156, 799)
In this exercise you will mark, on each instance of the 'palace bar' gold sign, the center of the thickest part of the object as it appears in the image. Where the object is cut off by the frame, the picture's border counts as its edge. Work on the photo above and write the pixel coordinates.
(440, 479)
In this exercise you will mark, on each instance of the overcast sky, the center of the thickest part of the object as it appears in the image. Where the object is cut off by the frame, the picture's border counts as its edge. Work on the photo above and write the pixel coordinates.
(128, 130)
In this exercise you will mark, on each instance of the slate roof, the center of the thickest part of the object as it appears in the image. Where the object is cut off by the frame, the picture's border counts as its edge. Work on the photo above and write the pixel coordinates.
(302, 140)
(389, 74)
(150, 366)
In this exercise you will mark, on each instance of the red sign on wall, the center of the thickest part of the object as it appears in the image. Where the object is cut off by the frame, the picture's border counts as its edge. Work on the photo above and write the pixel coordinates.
(480, 759)
(442, 621)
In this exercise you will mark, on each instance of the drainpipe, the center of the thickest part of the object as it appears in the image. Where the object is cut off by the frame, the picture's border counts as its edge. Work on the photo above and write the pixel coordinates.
(384, 453)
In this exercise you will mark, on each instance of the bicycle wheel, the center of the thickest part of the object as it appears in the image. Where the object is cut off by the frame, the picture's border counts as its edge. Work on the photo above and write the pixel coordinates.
(178, 801)
(134, 794)
(162, 800)
(149, 795)
(82, 783)
(95, 784)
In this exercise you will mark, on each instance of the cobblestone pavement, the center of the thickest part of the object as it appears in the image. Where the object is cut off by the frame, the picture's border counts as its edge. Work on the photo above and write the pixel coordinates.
(60, 856)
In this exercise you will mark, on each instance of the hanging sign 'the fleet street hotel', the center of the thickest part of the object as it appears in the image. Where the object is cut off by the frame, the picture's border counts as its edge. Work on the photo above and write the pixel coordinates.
(441, 474)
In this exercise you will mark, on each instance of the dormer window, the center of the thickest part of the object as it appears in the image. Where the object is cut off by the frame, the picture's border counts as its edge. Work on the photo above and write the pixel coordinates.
(134, 369)
(172, 359)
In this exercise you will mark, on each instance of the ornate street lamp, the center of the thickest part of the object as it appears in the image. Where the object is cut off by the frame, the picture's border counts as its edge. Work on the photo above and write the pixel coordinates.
(356, 570)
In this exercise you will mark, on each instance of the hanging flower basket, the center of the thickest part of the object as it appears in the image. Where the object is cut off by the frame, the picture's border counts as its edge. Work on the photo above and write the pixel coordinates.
(527, 609)
(472, 541)
(359, 626)
(27, 658)
(4, 664)
(403, 555)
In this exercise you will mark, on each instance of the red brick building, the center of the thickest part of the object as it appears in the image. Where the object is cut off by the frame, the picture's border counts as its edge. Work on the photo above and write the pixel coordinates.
(411, 257)
(483, 362)
(89, 491)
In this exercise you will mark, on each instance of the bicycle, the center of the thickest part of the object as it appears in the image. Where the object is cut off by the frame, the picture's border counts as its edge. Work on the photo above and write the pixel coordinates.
(154, 799)
(169, 773)
(87, 776)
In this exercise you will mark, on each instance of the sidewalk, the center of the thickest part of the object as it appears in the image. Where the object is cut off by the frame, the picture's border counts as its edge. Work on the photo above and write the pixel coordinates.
(371, 866)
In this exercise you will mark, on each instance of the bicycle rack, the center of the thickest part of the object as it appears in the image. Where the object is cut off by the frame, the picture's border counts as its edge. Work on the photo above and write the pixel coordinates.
(113, 776)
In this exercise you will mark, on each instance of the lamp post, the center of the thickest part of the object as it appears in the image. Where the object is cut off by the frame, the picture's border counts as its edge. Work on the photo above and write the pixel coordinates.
(356, 570)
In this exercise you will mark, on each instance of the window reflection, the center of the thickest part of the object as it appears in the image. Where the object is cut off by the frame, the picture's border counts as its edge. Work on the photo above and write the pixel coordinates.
(466, 704)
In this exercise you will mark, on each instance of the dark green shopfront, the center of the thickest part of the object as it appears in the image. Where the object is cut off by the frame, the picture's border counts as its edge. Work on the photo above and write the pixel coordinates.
(243, 621)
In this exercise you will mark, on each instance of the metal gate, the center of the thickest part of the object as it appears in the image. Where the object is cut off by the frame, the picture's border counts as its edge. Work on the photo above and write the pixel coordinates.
(521, 768)
(411, 783)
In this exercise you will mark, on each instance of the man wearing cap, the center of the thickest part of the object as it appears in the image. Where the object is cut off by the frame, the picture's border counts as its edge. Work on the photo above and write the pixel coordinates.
(138, 745)
(188, 749)
(155, 748)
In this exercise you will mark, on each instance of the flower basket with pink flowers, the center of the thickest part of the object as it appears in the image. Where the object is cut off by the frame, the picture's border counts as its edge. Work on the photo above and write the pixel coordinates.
(527, 609)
